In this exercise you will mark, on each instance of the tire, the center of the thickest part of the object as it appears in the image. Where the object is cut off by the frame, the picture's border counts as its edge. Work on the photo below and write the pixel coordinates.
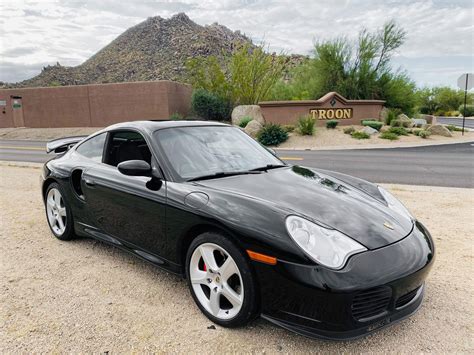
(205, 283)
(53, 214)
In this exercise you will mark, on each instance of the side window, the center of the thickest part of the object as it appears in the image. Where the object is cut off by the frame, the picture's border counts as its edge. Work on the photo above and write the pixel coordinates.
(126, 145)
(93, 147)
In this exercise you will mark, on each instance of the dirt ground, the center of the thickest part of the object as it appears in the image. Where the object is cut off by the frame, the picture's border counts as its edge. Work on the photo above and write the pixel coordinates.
(44, 134)
(84, 296)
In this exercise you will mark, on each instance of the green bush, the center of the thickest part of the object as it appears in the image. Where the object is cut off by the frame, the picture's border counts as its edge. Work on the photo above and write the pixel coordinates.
(424, 133)
(348, 130)
(306, 125)
(331, 124)
(469, 110)
(400, 123)
(288, 127)
(416, 131)
(399, 131)
(245, 121)
(360, 135)
(392, 115)
(272, 134)
(209, 106)
(454, 128)
(374, 124)
(389, 135)
(176, 117)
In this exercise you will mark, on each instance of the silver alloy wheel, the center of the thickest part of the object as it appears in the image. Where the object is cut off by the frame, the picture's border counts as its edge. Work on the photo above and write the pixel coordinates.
(216, 281)
(56, 211)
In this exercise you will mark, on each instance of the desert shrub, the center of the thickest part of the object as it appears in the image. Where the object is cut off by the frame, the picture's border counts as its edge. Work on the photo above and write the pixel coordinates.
(272, 134)
(288, 127)
(210, 106)
(306, 125)
(392, 115)
(416, 131)
(389, 135)
(424, 133)
(360, 135)
(400, 123)
(331, 124)
(374, 124)
(348, 130)
(245, 121)
(454, 128)
(469, 110)
(176, 117)
(399, 131)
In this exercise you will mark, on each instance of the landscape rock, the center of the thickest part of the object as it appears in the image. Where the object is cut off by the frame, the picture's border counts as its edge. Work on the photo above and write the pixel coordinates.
(252, 128)
(253, 111)
(404, 118)
(383, 114)
(369, 130)
(419, 122)
(439, 130)
(430, 119)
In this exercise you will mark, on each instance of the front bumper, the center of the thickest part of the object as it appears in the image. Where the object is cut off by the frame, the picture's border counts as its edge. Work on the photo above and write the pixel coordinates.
(375, 289)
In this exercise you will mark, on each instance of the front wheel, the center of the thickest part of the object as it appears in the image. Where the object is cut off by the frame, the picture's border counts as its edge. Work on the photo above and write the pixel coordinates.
(221, 280)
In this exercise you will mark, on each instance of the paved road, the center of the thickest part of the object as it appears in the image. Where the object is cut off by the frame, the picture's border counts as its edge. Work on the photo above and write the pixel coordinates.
(441, 165)
(456, 121)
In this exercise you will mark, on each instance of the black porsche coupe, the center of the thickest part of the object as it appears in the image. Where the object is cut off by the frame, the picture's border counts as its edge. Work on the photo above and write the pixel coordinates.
(317, 252)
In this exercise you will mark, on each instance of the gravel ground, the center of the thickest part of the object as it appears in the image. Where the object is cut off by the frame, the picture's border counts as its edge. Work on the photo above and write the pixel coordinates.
(84, 296)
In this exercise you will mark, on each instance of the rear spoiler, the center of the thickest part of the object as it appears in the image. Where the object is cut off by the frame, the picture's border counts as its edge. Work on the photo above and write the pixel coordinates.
(62, 145)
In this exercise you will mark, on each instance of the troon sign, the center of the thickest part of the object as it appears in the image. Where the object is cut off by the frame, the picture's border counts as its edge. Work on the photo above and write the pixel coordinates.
(331, 113)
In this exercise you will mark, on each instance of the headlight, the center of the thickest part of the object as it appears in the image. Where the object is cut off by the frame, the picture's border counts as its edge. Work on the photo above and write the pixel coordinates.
(325, 246)
(394, 204)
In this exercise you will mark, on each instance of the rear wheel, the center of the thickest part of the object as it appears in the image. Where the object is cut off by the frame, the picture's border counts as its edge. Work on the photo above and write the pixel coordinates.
(221, 280)
(58, 213)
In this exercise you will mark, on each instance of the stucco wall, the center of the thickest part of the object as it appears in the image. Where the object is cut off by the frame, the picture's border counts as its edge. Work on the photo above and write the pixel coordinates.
(288, 112)
(96, 105)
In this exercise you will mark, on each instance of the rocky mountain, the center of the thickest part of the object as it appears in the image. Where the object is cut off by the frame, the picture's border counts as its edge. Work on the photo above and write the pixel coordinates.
(155, 49)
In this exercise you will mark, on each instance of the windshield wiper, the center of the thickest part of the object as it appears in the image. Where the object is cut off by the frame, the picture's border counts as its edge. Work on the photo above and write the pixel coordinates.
(269, 166)
(223, 174)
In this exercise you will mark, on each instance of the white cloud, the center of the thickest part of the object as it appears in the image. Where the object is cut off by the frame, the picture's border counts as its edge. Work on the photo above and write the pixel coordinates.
(69, 31)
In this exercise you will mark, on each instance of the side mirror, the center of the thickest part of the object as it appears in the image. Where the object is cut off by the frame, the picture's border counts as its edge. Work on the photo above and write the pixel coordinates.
(135, 168)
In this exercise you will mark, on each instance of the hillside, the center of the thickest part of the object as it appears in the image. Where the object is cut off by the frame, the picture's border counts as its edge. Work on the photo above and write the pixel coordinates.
(155, 49)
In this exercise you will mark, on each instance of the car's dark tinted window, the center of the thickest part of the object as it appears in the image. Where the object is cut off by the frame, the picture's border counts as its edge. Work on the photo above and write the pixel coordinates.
(93, 147)
(126, 145)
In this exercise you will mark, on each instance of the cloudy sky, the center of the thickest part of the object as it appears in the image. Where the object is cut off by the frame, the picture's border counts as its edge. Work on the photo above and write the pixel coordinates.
(439, 47)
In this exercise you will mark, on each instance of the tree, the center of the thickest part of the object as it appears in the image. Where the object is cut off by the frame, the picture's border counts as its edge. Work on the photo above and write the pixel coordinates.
(245, 78)
(358, 70)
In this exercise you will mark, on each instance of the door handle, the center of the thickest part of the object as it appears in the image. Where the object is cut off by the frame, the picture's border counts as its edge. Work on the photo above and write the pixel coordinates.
(89, 182)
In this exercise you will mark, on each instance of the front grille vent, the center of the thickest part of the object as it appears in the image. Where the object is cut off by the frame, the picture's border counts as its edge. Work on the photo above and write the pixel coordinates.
(371, 303)
(406, 298)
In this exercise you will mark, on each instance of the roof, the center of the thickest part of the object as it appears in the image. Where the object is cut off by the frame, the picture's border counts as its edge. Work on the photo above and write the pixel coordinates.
(156, 125)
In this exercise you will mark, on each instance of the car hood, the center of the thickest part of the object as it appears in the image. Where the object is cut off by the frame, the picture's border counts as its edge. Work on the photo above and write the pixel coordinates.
(333, 202)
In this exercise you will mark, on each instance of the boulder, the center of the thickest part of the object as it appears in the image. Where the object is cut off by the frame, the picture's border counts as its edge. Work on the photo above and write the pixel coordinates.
(419, 122)
(439, 130)
(369, 130)
(252, 128)
(430, 119)
(252, 111)
(383, 114)
(404, 118)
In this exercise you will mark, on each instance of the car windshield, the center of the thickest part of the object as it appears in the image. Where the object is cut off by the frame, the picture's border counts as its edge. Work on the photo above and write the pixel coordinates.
(195, 152)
